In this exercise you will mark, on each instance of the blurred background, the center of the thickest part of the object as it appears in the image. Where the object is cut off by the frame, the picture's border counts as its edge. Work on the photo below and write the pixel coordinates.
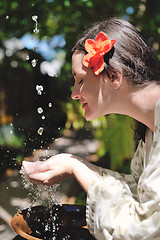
(36, 112)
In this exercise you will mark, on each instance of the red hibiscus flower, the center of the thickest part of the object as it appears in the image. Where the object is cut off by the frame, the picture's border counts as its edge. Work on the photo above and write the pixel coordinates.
(96, 50)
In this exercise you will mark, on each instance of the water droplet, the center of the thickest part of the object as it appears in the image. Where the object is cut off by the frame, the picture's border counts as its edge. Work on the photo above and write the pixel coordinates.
(35, 18)
(43, 117)
(40, 131)
(59, 128)
(35, 48)
(46, 228)
(39, 89)
(36, 30)
(27, 58)
(40, 110)
(7, 17)
(49, 104)
(34, 62)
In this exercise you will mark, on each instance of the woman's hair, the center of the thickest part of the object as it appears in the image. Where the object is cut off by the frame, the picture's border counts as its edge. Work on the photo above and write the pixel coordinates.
(131, 54)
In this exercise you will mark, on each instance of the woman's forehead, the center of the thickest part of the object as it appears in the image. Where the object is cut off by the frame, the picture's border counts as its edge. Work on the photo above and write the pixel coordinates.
(77, 67)
(78, 55)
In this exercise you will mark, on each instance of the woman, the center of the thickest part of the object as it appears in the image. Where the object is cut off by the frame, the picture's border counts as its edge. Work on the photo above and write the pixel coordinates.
(115, 71)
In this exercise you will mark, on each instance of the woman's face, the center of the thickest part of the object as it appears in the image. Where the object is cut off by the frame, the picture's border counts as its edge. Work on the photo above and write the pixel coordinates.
(94, 92)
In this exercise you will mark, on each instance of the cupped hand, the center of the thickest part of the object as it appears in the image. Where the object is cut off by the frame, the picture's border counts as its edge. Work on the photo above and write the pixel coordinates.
(50, 171)
(60, 167)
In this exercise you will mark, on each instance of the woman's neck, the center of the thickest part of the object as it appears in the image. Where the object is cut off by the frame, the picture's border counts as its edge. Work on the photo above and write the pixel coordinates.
(142, 104)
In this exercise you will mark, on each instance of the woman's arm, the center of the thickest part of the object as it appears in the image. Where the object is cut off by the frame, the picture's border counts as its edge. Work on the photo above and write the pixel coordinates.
(60, 167)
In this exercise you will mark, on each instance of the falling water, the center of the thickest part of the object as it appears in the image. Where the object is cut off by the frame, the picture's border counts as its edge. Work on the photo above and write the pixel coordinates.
(34, 62)
(40, 110)
(35, 19)
(39, 89)
(45, 195)
(27, 58)
(41, 193)
(50, 105)
(40, 130)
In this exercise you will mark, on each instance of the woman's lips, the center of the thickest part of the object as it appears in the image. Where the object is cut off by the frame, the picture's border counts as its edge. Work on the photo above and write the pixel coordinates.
(83, 105)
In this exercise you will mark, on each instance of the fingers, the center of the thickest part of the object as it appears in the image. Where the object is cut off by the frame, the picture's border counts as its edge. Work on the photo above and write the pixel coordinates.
(47, 178)
(41, 176)
(35, 167)
(39, 172)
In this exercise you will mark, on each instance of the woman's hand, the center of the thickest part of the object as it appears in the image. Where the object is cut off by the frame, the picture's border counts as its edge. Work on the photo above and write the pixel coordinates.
(60, 167)
(50, 171)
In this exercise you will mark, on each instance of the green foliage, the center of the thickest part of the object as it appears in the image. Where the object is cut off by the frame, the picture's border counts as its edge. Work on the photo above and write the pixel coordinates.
(116, 136)
(81, 198)
(9, 138)
(15, 141)
(74, 112)
(19, 158)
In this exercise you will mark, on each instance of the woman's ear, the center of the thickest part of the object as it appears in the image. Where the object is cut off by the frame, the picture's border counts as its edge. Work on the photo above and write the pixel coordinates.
(115, 79)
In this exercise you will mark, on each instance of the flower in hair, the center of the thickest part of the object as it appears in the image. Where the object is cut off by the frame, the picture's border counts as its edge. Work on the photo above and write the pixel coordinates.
(96, 50)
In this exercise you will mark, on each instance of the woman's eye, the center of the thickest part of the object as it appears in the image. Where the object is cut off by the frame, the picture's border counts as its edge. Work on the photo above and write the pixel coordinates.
(80, 82)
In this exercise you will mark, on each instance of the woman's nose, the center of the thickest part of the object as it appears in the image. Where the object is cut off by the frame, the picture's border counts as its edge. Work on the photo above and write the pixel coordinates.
(75, 93)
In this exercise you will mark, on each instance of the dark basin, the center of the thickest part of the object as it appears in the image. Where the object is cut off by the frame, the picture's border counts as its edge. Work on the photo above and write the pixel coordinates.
(61, 222)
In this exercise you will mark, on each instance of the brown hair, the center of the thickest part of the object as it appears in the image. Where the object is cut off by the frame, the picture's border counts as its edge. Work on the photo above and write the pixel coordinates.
(131, 54)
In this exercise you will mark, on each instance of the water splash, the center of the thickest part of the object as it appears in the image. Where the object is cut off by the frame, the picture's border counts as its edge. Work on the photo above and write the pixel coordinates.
(40, 130)
(40, 110)
(39, 89)
(35, 48)
(34, 62)
(35, 19)
(46, 195)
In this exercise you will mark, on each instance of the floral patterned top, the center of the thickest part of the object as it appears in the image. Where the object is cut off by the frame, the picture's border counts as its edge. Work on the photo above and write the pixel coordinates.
(127, 207)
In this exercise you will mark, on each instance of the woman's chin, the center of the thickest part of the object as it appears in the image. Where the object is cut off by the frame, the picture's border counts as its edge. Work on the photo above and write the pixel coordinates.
(89, 117)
